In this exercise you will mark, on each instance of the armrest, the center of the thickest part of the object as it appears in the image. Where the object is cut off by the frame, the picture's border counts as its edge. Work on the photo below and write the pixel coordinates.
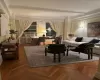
(86, 45)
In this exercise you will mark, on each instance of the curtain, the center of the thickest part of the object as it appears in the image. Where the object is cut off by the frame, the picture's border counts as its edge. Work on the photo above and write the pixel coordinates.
(58, 27)
(67, 27)
(22, 25)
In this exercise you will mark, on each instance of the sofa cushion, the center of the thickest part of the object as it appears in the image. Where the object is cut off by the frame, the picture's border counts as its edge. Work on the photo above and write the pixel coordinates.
(78, 39)
(94, 41)
(87, 39)
(73, 39)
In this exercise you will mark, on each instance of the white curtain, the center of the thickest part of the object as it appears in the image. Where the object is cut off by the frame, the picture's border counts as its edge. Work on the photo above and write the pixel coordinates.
(58, 27)
(22, 25)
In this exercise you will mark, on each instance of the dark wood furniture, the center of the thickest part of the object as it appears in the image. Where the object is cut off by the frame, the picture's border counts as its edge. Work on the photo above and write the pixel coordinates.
(55, 49)
(57, 40)
(9, 51)
(86, 48)
(34, 41)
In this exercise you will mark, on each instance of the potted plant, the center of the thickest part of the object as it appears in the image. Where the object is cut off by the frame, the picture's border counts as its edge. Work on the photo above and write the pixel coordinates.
(12, 32)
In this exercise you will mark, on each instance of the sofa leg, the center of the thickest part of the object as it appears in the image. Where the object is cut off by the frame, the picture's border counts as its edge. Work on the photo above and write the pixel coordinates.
(45, 53)
(67, 52)
(91, 53)
(64, 53)
(54, 58)
(89, 56)
(59, 57)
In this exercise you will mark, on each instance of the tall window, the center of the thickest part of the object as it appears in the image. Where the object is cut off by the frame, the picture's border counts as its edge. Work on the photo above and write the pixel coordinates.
(49, 30)
(36, 30)
(32, 28)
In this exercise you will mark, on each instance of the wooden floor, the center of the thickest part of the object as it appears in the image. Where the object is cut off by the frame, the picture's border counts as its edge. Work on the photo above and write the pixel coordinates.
(20, 70)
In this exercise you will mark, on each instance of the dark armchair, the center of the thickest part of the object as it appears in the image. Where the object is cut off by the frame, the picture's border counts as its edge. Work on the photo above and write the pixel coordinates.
(55, 49)
(10, 51)
(57, 40)
(86, 48)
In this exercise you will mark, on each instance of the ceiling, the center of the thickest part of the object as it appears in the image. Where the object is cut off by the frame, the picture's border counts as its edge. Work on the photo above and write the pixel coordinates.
(52, 8)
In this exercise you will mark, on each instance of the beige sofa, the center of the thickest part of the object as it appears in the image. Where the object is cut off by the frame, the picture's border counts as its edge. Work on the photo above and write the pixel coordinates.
(72, 42)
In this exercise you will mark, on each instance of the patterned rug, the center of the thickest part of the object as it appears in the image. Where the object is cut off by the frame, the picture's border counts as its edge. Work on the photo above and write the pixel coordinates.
(36, 57)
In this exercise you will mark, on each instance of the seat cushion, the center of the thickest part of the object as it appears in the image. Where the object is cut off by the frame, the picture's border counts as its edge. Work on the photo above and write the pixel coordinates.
(78, 39)
(56, 48)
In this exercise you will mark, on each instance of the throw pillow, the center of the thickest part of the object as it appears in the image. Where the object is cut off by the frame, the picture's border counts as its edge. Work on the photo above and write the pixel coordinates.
(94, 41)
(78, 39)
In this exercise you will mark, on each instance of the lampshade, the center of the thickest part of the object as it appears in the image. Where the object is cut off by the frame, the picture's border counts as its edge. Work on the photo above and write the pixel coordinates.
(71, 35)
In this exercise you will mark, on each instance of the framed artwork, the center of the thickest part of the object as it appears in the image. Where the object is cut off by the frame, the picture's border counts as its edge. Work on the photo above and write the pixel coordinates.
(93, 29)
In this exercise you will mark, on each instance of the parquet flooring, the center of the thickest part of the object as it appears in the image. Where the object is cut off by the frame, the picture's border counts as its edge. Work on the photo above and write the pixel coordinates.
(20, 70)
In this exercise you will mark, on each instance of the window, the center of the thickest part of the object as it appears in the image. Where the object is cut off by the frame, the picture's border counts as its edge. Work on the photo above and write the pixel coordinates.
(32, 28)
(42, 28)
(49, 30)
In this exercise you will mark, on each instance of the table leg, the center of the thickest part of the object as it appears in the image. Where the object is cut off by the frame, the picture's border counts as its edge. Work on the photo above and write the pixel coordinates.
(45, 52)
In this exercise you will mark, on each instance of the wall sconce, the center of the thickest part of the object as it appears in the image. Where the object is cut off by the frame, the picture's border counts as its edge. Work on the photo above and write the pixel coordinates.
(82, 25)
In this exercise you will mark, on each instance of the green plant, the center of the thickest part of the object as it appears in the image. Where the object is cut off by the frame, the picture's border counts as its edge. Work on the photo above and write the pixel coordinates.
(12, 31)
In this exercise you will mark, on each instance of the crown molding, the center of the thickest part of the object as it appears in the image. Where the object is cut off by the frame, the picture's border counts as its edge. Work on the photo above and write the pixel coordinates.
(39, 18)
(91, 14)
(45, 9)
(4, 7)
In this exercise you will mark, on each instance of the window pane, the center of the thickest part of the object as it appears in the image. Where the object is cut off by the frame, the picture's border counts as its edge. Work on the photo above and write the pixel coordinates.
(34, 23)
(49, 30)
(32, 27)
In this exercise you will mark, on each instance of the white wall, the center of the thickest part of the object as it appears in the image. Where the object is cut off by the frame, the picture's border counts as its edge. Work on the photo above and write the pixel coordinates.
(79, 26)
(4, 25)
(81, 30)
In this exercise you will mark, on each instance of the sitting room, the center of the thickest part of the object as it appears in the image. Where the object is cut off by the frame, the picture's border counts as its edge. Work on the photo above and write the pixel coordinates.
(43, 41)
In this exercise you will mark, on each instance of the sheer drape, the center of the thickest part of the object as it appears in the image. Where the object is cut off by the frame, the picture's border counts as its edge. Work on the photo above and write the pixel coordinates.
(22, 25)
(67, 28)
(58, 27)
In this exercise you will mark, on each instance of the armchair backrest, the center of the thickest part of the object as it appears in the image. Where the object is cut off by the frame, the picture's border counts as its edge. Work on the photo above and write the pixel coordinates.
(86, 45)
(57, 47)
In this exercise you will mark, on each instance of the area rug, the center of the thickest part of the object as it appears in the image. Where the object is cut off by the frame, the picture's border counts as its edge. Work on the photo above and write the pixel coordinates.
(36, 57)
